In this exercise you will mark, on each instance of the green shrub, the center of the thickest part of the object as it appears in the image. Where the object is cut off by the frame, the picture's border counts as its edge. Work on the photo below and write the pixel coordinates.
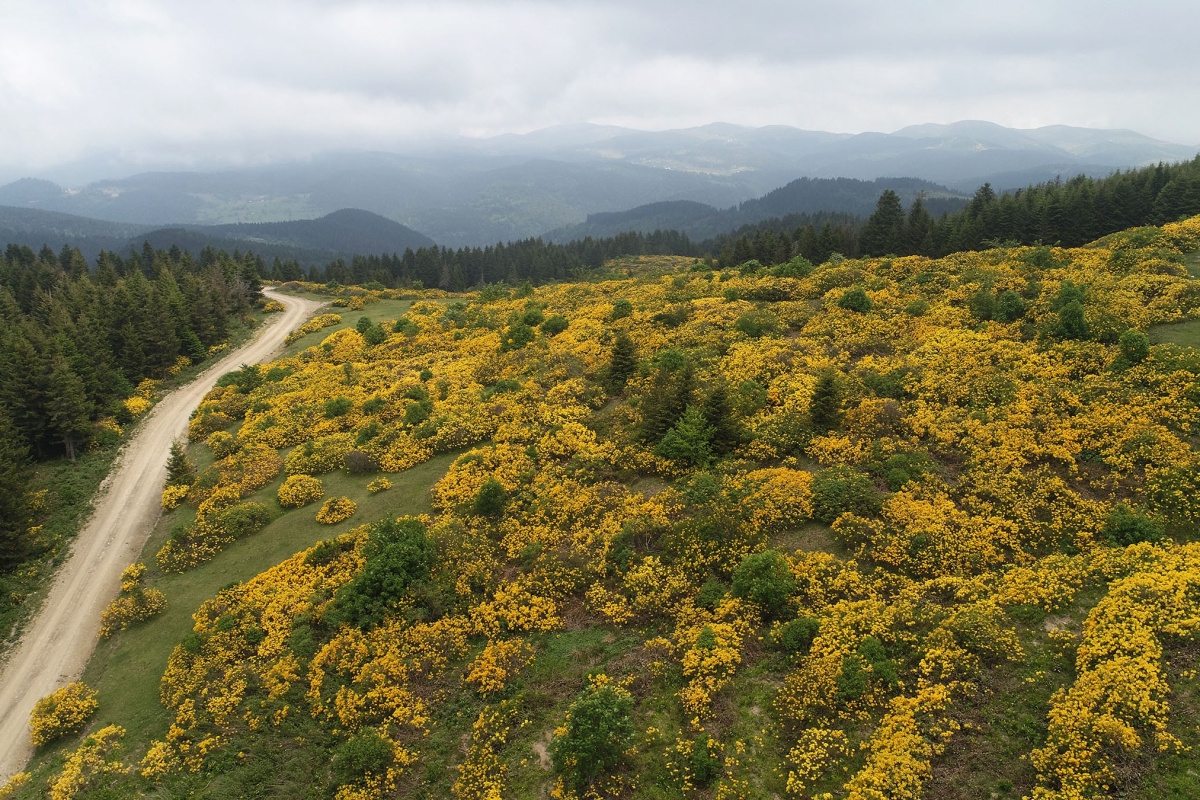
(766, 579)
(1124, 527)
(533, 317)
(368, 753)
(856, 300)
(515, 337)
(704, 763)
(490, 499)
(840, 489)
(795, 638)
(555, 325)
(711, 593)
(405, 326)
(244, 519)
(1010, 306)
(337, 407)
(687, 440)
(757, 324)
(621, 309)
(374, 335)
(1134, 345)
(399, 556)
(599, 729)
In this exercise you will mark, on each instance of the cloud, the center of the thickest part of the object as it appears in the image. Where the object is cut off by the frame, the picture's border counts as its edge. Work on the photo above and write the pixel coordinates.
(161, 83)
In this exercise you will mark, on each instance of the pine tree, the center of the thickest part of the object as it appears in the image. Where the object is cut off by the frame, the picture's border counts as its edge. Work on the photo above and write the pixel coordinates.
(623, 363)
(725, 432)
(180, 469)
(669, 396)
(825, 408)
(14, 480)
(68, 412)
(884, 231)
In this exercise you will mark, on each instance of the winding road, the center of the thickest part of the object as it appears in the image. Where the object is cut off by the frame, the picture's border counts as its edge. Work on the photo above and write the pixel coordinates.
(59, 641)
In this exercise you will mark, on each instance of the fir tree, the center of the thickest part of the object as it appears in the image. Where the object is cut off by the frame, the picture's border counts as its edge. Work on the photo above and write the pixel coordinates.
(180, 469)
(622, 364)
(884, 231)
(825, 409)
(67, 409)
(725, 432)
(14, 479)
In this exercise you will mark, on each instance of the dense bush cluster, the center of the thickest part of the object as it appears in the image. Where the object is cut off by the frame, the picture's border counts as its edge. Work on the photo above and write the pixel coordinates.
(61, 712)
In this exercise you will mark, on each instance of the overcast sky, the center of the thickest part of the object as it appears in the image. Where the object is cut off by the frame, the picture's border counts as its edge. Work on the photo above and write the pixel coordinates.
(201, 83)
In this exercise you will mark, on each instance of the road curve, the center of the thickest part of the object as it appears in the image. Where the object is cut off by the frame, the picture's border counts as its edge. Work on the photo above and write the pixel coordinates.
(59, 641)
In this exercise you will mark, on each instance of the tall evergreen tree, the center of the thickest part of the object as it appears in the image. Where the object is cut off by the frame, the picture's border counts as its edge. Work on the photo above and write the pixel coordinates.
(622, 364)
(14, 480)
(67, 409)
(180, 469)
(884, 231)
(825, 408)
(725, 434)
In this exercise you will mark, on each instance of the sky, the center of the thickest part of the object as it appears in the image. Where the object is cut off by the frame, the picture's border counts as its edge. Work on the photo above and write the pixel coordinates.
(123, 85)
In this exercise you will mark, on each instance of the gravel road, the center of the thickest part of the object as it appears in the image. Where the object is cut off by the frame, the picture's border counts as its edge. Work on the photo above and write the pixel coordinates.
(59, 641)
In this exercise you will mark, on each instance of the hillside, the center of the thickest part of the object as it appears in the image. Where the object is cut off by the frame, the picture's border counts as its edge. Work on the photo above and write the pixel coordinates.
(803, 196)
(891, 527)
(311, 242)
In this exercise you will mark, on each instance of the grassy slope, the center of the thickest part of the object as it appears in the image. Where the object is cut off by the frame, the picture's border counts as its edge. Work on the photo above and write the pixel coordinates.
(385, 310)
(126, 668)
(70, 487)
(1181, 333)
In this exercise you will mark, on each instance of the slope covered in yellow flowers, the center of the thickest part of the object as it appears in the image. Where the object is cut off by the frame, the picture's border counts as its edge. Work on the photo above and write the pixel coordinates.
(891, 528)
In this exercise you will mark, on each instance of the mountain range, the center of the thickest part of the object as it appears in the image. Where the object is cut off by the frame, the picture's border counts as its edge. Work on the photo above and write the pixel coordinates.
(313, 242)
(464, 191)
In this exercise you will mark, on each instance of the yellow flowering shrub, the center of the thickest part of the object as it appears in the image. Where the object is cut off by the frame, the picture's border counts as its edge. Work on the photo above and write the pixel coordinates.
(499, 661)
(61, 712)
(87, 765)
(173, 496)
(137, 405)
(335, 510)
(299, 490)
(378, 485)
(313, 325)
(136, 603)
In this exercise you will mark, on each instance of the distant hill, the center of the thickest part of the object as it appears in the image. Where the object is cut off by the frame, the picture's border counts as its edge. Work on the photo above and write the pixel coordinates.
(341, 234)
(464, 191)
(804, 196)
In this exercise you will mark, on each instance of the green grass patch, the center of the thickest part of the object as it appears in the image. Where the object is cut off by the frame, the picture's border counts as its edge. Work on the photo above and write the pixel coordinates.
(1184, 334)
(385, 311)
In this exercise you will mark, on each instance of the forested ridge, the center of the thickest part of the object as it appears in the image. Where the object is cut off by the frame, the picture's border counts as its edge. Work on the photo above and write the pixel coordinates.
(77, 345)
(1066, 213)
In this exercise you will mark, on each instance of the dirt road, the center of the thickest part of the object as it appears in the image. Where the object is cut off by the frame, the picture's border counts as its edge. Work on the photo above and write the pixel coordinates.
(60, 639)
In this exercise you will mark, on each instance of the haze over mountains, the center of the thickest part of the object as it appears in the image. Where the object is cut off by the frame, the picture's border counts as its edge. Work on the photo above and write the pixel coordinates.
(480, 191)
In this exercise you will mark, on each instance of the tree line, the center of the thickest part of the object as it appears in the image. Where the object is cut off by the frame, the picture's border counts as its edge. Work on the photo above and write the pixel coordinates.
(76, 341)
(532, 260)
(1066, 213)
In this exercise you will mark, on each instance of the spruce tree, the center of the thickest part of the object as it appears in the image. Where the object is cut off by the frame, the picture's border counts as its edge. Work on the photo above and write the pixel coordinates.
(180, 469)
(725, 432)
(68, 412)
(623, 363)
(884, 231)
(825, 408)
(14, 480)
